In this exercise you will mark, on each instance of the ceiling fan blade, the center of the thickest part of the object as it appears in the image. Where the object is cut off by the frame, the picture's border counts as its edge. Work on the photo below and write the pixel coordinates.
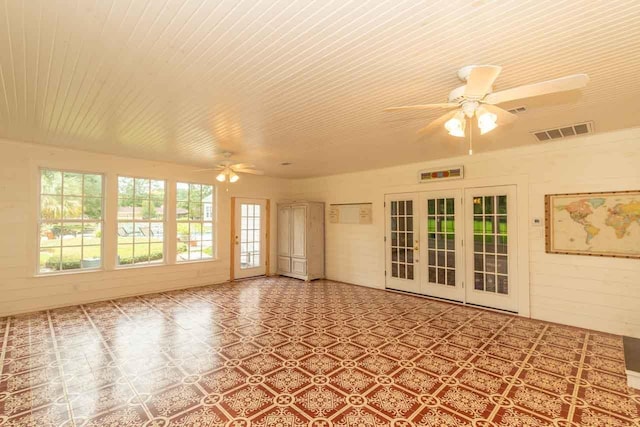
(243, 166)
(480, 80)
(423, 107)
(504, 117)
(249, 171)
(208, 169)
(562, 84)
(437, 123)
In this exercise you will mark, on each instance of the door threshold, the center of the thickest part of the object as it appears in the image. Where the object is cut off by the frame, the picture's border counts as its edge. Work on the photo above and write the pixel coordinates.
(455, 301)
(452, 301)
(248, 278)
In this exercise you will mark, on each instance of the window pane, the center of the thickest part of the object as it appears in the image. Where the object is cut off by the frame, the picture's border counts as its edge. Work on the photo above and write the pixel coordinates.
(91, 233)
(156, 189)
(50, 182)
(182, 211)
(195, 193)
(50, 207)
(156, 208)
(207, 193)
(125, 254)
(71, 207)
(91, 257)
(182, 192)
(156, 251)
(141, 188)
(142, 232)
(72, 184)
(141, 253)
(125, 187)
(71, 258)
(195, 211)
(49, 259)
(92, 185)
(92, 208)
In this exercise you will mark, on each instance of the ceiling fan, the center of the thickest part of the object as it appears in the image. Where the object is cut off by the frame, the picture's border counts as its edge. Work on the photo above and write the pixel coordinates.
(476, 98)
(229, 171)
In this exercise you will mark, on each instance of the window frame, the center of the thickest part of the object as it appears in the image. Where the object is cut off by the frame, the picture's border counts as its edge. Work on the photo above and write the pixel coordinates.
(40, 221)
(117, 265)
(213, 222)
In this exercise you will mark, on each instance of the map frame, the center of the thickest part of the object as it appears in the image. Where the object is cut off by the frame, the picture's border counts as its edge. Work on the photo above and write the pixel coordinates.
(550, 246)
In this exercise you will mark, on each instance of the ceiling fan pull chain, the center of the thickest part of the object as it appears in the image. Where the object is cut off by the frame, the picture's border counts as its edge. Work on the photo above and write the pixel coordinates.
(470, 140)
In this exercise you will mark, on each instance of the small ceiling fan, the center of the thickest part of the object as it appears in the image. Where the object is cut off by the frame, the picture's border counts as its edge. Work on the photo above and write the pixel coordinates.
(229, 171)
(476, 98)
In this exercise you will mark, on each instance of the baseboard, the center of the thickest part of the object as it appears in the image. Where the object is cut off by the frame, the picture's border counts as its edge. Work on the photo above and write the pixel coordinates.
(119, 296)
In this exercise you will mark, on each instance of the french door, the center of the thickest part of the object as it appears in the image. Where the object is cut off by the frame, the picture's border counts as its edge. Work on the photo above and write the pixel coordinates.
(250, 232)
(441, 237)
(402, 242)
(490, 254)
(454, 244)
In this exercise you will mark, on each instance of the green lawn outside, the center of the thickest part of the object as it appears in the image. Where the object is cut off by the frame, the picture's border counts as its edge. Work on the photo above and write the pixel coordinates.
(478, 227)
(72, 252)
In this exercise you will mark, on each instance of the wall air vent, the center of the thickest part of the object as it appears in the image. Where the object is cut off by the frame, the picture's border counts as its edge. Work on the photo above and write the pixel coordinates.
(563, 132)
(456, 172)
(518, 110)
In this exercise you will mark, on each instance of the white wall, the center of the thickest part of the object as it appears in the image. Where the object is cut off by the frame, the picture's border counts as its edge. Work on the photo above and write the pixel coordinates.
(591, 292)
(21, 291)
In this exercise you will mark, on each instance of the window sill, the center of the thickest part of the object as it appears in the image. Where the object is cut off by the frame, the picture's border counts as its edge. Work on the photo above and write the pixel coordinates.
(124, 268)
(196, 261)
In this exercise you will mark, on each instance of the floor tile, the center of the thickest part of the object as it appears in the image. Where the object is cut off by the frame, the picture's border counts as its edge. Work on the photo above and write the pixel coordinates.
(280, 352)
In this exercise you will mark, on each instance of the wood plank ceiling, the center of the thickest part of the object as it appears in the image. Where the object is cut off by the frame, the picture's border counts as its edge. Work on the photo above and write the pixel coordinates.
(299, 81)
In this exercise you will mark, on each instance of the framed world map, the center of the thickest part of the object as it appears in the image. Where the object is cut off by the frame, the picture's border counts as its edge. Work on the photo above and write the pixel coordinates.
(597, 224)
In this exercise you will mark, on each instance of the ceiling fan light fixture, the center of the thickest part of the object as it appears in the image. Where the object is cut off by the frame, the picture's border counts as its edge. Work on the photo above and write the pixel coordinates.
(486, 121)
(221, 177)
(455, 126)
(233, 177)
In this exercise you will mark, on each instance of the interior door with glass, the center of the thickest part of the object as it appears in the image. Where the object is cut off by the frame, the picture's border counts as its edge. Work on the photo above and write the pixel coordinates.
(250, 232)
(491, 236)
(441, 243)
(402, 242)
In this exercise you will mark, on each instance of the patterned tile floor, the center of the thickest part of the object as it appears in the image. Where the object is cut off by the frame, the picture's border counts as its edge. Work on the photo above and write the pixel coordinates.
(280, 352)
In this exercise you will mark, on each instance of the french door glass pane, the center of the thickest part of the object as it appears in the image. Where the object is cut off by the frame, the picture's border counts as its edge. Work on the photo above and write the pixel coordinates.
(441, 241)
(250, 235)
(490, 259)
(402, 239)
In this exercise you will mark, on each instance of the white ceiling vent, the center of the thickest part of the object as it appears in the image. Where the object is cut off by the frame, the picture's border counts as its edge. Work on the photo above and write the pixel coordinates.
(518, 110)
(564, 132)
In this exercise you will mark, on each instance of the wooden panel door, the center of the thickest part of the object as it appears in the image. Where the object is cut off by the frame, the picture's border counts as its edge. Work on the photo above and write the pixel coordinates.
(298, 231)
(284, 231)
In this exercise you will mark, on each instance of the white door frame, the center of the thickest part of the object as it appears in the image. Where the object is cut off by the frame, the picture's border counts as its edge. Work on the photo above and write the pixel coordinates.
(260, 269)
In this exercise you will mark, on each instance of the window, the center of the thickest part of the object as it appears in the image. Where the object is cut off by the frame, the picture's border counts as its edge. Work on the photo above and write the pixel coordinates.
(141, 212)
(195, 217)
(70, 220)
